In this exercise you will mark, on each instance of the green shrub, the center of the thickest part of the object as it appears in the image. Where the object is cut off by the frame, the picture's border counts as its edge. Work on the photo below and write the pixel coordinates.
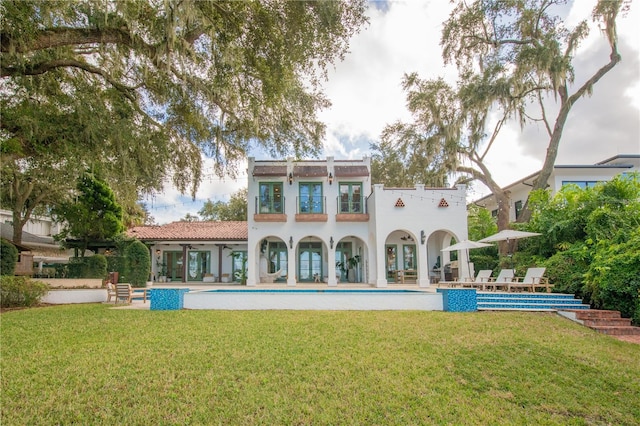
(88, 267)
(566, 270)
(97, 266)
(138, 262)
(614, 277)
(8, 257)
(117, 264)
(21, 291)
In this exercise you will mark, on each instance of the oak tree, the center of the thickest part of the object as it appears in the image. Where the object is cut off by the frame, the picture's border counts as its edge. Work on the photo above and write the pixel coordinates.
(143, 89)
(510, 56)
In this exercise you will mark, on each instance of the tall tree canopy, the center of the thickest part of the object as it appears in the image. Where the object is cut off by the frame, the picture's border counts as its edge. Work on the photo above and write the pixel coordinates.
(235, 209)
(94, 215)
(511, 56)
(145, 87)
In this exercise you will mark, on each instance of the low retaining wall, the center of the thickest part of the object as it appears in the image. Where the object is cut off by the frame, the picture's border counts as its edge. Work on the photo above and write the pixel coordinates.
(72, 282)
(312, 300)
(62, 297)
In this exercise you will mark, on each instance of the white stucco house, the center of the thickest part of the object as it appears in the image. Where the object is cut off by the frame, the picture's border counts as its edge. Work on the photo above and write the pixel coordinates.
(323, 221)
(583, 175)
(319, 221)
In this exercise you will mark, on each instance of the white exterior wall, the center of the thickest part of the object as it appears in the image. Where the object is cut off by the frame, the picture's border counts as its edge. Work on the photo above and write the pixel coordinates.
(421, 215)
(386, 224)
(293, 232)
(41, 226)
(520, 191)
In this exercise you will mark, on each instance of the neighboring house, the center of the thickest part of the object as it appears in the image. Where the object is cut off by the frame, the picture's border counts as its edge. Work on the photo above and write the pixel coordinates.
(38, 249)
(194, 251)
(581, 175)
(318, 221)
(42, 226)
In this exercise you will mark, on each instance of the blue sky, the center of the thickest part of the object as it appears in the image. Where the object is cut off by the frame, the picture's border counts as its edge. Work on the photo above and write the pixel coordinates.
(403, 36)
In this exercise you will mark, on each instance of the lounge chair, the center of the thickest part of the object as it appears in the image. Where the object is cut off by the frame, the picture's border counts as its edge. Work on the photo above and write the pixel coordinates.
(478, 282)
(124, 292)
(504, 277)
(532, 280)
(111, 291)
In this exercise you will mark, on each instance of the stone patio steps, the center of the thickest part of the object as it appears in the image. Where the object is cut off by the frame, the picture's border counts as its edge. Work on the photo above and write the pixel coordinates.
(604, 321)
(528, 301)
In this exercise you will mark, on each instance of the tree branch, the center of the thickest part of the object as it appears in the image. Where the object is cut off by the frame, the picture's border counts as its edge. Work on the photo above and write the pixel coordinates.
(65, 36)
(44, 67)
(614, 59)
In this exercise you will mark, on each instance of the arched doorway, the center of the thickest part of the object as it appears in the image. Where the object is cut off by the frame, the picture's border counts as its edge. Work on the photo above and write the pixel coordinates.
(273, 260)
(401, 256)
(310, 256)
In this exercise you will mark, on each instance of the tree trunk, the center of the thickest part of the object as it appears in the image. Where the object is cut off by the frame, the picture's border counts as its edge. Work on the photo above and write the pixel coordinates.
(503, 198)
(550, 159)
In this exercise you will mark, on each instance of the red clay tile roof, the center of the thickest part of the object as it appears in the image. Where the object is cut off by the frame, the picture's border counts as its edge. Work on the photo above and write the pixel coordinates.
(207, 230)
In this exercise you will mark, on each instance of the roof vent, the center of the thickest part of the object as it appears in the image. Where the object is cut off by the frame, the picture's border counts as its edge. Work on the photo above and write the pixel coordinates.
(443, 203)
(399, 203)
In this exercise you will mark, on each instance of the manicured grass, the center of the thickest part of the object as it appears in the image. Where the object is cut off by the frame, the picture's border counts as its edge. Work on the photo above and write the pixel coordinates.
(94, 365)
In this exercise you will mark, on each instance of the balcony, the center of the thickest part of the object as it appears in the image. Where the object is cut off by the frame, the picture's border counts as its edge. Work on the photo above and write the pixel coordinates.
(311, 209)
(269, 209)
(352, 209)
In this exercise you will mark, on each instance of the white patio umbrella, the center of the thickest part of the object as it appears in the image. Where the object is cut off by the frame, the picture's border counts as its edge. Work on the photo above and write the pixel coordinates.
(508, 235)
(466, 245)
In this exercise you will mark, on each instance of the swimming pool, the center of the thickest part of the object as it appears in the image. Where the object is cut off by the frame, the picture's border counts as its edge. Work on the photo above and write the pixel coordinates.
(313, 299)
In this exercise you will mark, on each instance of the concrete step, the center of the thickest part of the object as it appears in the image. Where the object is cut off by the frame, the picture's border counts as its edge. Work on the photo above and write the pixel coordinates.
(620, 330)
(608, 322)
(603, 321)
(530, 295)
(598, 313)
(528, 301)
(527, 306)
(554, 301)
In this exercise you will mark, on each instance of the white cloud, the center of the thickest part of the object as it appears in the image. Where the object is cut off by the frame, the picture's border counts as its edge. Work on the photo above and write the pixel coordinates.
(170, 205)
(366, 94)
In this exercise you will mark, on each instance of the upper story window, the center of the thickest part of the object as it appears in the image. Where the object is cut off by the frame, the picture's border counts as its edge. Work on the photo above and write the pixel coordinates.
(581, 183)
(311, 200)
(518, 206)
(351, 197)
(270, 198)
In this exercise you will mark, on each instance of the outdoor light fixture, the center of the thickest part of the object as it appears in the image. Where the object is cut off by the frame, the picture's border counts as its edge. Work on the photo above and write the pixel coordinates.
(290, 242)
(290, 178)
(330, 239)
(423, 237)
(330, 178)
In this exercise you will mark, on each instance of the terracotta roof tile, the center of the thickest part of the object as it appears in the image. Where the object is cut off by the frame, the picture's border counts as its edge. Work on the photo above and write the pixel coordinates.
(206, 230)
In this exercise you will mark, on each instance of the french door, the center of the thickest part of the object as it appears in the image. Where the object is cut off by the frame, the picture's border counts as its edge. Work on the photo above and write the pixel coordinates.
(310, 262)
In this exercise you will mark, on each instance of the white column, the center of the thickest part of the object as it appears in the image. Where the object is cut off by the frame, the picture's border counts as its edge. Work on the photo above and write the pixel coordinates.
(292, 261)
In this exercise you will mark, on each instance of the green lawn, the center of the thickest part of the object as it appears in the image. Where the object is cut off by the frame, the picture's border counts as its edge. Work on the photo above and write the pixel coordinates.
(89, 364)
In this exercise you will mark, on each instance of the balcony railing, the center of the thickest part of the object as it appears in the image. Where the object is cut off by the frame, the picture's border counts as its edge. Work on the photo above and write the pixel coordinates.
(311, 205)
(352, 205)
(269, 205)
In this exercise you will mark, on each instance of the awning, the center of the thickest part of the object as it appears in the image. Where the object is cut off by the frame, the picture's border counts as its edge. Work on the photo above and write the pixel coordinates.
(351, 171)
(310, 171)
(270, 171)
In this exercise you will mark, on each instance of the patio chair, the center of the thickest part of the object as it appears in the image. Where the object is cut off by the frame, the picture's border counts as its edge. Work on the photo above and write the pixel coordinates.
(124, 292)
(532, 280)
(478, 282)
(504, 277)
(111, 291)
